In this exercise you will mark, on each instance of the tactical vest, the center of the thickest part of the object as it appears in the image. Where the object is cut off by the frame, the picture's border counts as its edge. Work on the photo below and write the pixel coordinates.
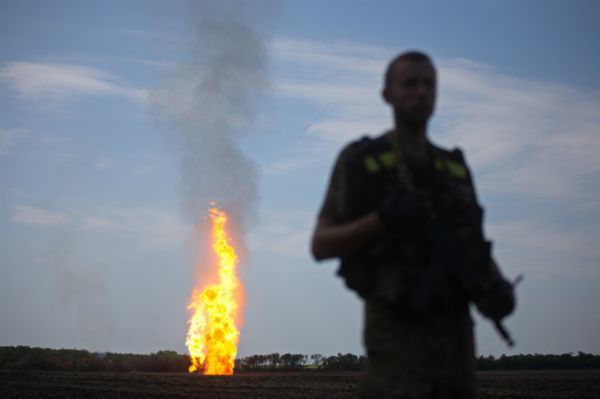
(392, 264)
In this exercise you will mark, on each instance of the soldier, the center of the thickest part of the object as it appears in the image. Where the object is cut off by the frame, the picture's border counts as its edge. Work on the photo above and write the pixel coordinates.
(389, 201)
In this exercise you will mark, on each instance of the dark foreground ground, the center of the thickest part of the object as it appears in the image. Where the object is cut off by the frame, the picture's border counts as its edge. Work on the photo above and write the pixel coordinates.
(42, 384)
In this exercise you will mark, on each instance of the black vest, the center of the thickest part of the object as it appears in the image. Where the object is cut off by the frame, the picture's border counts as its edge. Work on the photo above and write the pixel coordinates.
(372, 171)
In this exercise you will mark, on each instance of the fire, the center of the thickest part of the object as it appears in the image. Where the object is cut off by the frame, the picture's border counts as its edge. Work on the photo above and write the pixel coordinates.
(212, 335)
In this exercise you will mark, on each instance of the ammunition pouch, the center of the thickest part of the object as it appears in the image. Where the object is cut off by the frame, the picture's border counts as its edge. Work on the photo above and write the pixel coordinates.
(384, 273)
(373, 272)
(357, 275)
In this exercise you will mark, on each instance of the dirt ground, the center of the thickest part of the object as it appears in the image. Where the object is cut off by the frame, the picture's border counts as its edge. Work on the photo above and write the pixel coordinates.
(54, 385)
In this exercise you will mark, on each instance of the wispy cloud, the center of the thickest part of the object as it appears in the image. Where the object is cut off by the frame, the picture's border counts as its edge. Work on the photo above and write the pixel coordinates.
(522, 136)
(527, 137)
(158, 64)
(24, 214)
(151, 35)
(60, 81)
(284, 234)
(154, 227)
(289, 165)
(103, 163)
(537, 247)
(8, 137)
(53, 140)
(145, 169)
(330, 57)
(343, 78)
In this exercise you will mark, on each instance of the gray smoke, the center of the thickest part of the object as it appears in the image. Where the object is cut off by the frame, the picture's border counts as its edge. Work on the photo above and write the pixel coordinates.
(81, 286)
(210, 99)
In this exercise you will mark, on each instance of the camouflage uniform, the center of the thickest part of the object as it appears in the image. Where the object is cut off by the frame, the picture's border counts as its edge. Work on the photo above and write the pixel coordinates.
(409, 355)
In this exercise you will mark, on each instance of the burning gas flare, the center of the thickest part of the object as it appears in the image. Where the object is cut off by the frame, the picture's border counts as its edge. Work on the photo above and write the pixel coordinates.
(212, 335)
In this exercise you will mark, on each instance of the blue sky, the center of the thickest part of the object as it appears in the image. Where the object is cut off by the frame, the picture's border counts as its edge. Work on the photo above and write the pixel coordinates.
(107, 157)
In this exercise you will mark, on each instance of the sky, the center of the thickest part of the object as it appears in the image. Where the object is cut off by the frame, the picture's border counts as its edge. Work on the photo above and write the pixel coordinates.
(120, 120)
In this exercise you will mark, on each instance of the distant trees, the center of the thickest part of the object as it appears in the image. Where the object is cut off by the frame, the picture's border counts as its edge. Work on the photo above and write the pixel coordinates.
(566, 361)
(26, 358)
(274, 361)
(296, 362)
(347, 362)
(317, 359)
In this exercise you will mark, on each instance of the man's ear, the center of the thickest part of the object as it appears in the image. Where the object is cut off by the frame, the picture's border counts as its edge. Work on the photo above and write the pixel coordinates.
(385, 94)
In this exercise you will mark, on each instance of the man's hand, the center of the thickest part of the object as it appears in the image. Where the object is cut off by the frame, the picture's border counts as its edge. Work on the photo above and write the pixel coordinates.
(498, 301)
(402, 210)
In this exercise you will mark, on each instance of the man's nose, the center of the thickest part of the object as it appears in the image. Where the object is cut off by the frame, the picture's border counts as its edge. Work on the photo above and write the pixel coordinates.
(422, 89)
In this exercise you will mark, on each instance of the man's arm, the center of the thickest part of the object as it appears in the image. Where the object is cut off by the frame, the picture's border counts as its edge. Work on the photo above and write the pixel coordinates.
(332, 240)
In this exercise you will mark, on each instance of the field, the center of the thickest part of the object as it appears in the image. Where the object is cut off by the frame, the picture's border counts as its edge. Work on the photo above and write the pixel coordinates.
(41, 384)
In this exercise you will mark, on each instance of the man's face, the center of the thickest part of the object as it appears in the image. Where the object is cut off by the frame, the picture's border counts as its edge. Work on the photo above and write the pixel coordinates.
(411, 92)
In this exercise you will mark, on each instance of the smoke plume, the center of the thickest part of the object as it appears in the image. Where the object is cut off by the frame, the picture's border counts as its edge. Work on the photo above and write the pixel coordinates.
(210, 99)
(81, 286)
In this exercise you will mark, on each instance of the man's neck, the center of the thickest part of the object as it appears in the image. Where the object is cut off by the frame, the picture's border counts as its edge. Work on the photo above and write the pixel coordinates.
(413, 142)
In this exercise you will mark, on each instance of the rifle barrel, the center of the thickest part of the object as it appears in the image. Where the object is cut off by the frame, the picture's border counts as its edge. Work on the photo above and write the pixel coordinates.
(504, 333)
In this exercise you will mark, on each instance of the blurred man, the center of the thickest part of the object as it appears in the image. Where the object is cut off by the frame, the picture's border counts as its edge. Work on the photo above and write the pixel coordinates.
(403, 217)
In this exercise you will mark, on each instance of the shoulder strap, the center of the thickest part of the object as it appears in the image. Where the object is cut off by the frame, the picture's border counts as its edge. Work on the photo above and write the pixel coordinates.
(401, 165)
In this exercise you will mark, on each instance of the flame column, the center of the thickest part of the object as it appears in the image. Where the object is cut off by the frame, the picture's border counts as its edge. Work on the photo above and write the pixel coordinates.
(212, 335)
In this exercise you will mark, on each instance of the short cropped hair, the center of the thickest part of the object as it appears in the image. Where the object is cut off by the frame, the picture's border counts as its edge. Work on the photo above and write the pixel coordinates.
(411, 56)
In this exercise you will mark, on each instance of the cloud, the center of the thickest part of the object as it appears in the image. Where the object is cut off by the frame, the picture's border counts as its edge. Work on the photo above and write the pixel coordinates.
(343, 78)
(530, 138)
(158, 64)
(103, 163)
(53, 140)
(61, 81)
(289, 165)
(8, 137)
(523, 137)
(536, 246)
(145, 169)
(283, 234)
(153, 36)
(23, 214)
(331, 57)
(154, 227)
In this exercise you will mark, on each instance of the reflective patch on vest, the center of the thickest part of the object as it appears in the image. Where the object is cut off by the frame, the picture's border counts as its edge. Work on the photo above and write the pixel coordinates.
(371, 165)
(388, 159)
(456, 169)
(453, 168)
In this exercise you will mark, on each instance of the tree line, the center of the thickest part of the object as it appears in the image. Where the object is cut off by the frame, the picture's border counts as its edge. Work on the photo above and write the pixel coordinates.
(294, 362)
(27, 358)
(565, 361)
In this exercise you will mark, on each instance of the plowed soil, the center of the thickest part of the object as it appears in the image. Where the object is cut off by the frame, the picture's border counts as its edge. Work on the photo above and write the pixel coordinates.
(54, 385)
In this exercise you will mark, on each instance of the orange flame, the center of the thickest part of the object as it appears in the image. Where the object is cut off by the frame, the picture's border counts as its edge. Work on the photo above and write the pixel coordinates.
(212, 335)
